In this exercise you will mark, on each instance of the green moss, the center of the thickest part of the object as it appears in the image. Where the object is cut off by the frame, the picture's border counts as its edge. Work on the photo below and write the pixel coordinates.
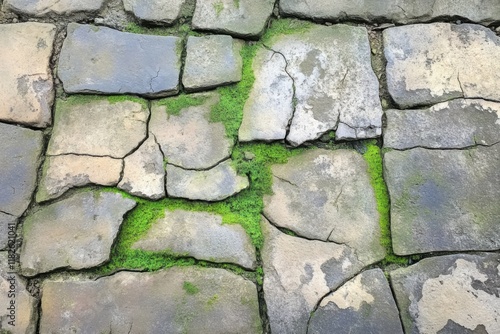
(260, 275)
(190, 288)
(218, 7)
(285, 27)
(84, 99)
(180, 30)
(174, 105)
(122, 98)
(211, 302)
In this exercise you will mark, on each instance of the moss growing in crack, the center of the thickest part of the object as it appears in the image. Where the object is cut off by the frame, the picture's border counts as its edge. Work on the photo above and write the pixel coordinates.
(285, 27)
(180, 30)
(174, 105)
(74, 100)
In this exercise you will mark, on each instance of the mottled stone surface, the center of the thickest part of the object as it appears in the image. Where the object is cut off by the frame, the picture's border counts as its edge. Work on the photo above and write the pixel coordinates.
(431, 63)
(176, 300)
(200, 235)
(75, 233)
(444, 200)
(158, 11)
(58, 7)
(7, 223)
(450, 294)
(362, 305)
(121, 62)
(26, 85)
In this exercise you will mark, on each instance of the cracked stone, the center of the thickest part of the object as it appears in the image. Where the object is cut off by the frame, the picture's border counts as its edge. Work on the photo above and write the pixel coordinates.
(158, 11)
(6, 224)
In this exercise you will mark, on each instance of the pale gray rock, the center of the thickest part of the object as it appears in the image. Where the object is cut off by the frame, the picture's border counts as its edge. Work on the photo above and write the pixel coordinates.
(211, 61)
(450, 294)
(75, 233)
(201, 235)
(120, 63)
(214, 184)
(8, 224)
(59, 7)
(432, 63)
(26, 84)
(157, 11)
(176, 300)
(444, 200)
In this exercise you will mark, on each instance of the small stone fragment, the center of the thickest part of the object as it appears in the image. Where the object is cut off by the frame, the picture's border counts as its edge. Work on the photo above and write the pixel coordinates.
(158, 11)
(8, 225)
(59, 7)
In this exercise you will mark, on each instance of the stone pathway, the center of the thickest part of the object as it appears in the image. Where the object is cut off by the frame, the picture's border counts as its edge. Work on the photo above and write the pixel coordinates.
(237, 166)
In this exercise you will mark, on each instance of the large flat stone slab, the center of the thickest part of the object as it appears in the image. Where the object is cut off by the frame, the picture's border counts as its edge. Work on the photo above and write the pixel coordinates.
(177, 300)
(200, 235)
(121, 62)
(450, 294)
(75, 233)
(58, 7)
(444, 200)
(158, 11)
(8, 225)
(432, 63)
(26, 85)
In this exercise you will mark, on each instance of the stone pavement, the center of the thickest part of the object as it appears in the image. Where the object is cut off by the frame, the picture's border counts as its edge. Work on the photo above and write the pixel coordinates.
(244, 166)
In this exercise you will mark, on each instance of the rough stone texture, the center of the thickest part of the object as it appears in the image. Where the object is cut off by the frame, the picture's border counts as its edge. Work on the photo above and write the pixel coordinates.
(158, 11)
(211, 61)
(143, 173)
(362, 305)
(436, 62)
(98, 127)
(242, 18)
(450, 294)
(456, 124)
(58, 7)
(5, 221)
(121, 62)
(189, 140)
(269, 108)
(75, 233)
(20, 151)
(26, 85)
(200, 235)
(61, 173)
(444, 200)
(176, 300)
(214, 184)
(327, 195)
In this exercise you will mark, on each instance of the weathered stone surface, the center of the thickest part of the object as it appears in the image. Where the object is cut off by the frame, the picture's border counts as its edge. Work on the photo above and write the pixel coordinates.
(455, 124)
(188, 139)
(6, 221)
(202, 236)
(327, 195)
(121, 62)
(444, 200)
(77, 232)
(143, 173)
(63, 172)
(99, 127)
(450, 294)
(436, 62)
(269, 108)
(242, 18)
(20, 151)
(59, 7)
(158, 11)
(362, 305)
(214, 184)
(211, 61)
(26, 86)
(176, 300)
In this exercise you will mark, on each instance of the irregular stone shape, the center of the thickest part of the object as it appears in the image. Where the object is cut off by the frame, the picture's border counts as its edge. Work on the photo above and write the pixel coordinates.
(122, 62)
(189, 139)
(455, 124)
(144, 174)
(450, 294)
(202, 236)
(241, 18)
(211, 61)
(26, 85)
(75, 233)
(25, 317)
(8, 224)
(214, 184)
(176, 300)
(158, 11)
(99, 127)
(441, 61)
(58, 7)
(444, 200)
(327, 195)
(362, 305)
(20, 151)
(63, 172)
(269, 108)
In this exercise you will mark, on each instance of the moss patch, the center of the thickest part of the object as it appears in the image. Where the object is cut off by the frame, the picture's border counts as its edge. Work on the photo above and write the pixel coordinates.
(174, 105)
(190, 288)
(74, 100)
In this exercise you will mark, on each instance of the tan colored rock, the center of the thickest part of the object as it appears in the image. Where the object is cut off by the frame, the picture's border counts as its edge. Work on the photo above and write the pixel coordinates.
(157, 11)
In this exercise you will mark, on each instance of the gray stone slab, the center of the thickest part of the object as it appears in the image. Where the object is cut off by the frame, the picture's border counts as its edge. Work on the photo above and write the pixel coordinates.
(455, 124)
(444, 200)
(362, 305)
(58, 7)
(431, 63)
(76, 232)
(26, 84)
(157, 11)
(20, 151)
(120, 63)
(450, 294)
(176, 300)
(8, 224)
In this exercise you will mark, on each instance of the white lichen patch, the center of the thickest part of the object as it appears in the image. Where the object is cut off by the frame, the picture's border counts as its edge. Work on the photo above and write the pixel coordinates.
(351, 295)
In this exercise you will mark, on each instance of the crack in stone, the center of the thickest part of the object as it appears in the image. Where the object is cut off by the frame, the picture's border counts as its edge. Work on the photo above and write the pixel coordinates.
(1, 211)
(200, 169)
(465, 148)
(152, 79)
(285, 180)
(460, 83)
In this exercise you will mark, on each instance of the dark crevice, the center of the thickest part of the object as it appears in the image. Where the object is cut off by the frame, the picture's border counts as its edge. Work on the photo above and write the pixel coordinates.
(465, 148)
(200, 169)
